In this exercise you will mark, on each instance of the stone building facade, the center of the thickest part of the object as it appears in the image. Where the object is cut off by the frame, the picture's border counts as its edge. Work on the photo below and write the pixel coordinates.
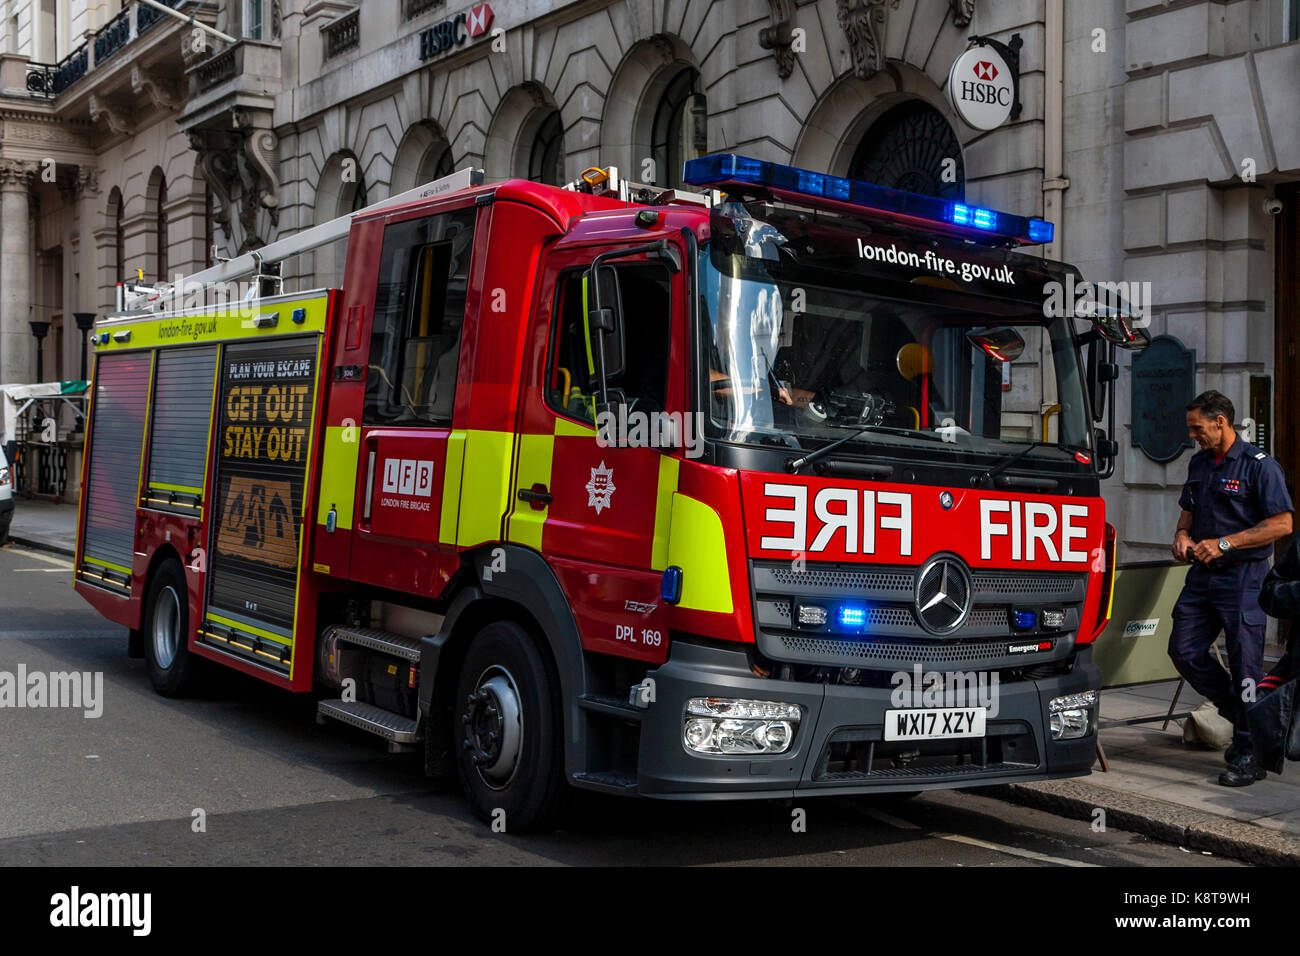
(129, 140)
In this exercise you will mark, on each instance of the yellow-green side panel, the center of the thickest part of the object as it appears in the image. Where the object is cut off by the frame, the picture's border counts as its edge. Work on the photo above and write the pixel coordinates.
(338, 474)
(668, 470)
(484, 486)
(451, 488)
(697, 546)
(535, 455)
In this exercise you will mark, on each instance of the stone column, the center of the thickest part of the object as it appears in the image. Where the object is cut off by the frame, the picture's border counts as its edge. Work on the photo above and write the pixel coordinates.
(15, 283)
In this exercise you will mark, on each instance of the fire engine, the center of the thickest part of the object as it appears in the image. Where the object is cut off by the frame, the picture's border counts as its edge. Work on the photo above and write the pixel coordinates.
(690, 495)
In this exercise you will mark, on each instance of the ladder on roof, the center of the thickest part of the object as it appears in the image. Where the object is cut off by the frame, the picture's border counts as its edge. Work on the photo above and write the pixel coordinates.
(264, 264)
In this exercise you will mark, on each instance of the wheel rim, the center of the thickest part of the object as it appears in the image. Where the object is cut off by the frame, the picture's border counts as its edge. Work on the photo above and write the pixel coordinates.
(493, 722)
(166, 627)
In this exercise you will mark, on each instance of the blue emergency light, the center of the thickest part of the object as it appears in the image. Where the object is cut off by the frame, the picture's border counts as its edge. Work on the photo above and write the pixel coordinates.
(724, 169)
(852, 615)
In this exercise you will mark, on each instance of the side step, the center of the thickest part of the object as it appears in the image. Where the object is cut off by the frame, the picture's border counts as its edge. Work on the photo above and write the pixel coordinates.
(395, 645)
(399, 731)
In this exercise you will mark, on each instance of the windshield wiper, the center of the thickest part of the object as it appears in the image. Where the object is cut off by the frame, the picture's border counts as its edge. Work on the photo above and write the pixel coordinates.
(798, 463)
(1007, 462)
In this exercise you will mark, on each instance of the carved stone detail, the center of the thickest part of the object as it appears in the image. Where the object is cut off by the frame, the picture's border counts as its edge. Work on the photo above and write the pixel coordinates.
(863, 23)
(17, 173)
(101, 111)
(158, 91)
(779, 36)
(962, 12)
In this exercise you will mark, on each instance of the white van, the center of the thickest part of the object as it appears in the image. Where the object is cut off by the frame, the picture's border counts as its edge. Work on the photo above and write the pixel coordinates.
(6, 497)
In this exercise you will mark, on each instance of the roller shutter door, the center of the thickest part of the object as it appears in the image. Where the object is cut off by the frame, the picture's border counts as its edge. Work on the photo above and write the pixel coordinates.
(178, 448)
(117, 433)
(266, 414)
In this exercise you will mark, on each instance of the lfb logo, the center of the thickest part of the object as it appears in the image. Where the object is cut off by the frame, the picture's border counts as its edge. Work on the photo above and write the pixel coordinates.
(480, 18)
(984, 70)
(406, 476)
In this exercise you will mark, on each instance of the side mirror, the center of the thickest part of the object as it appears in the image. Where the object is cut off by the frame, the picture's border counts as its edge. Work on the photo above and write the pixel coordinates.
(1100, 372)
(603, 299)
(1118, 329)
(1001, 345)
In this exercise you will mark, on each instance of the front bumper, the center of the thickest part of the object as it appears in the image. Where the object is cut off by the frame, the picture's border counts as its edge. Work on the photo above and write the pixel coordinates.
(839, 746)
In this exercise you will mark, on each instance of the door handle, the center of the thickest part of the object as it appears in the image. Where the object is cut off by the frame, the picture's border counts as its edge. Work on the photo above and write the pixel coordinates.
(537, 496)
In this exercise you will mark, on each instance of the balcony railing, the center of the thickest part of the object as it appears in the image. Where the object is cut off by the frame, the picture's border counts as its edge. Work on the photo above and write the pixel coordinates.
(343, 34)
(113, 37)
(413, 8)
(146, 16)
(44, 79)
(49, 80)
(217, 70)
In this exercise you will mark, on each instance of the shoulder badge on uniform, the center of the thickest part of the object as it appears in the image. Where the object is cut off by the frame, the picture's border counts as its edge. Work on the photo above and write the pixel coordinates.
(1261, 455)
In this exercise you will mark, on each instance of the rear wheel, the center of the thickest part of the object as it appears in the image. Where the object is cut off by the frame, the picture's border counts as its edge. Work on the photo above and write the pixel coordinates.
(508, 730)
(166, 633)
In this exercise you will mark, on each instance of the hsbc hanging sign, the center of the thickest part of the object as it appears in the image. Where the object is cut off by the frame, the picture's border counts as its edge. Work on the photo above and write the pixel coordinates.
(981, 87)
(455, 31)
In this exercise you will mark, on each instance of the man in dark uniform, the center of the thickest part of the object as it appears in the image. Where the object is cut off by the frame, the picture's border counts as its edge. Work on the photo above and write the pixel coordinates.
(1235, 505)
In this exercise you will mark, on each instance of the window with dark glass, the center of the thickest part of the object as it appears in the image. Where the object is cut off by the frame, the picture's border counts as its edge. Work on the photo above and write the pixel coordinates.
(573, 380)
(680, 129)
(546, 161)
(161, 237)
(419, 312)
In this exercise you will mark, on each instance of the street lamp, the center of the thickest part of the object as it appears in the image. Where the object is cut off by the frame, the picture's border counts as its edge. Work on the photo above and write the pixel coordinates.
(85, 322)
(40, 329)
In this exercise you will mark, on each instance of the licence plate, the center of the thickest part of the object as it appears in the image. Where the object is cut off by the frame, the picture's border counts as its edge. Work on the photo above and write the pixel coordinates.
(935, 723)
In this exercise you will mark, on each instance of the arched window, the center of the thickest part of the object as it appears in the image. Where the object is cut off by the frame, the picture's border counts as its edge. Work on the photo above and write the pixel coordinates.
(909, 148)
(680, 127)
(546, 160)
(161, 230)
(359, 200)
(437, 163)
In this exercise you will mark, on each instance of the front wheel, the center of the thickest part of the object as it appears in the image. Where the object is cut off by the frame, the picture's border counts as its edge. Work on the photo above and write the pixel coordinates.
(509, 730)
(166, 633)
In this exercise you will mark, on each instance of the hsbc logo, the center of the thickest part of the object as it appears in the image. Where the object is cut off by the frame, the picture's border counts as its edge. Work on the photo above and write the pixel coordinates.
(984, 70)
(480, 19)
(407, 476)
(454, 31)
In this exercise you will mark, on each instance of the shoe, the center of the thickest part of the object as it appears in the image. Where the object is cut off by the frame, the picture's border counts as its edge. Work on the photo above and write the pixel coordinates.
(1243, 771)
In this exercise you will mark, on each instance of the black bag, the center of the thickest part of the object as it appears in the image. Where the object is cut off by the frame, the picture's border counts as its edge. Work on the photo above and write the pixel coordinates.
(1275, 727)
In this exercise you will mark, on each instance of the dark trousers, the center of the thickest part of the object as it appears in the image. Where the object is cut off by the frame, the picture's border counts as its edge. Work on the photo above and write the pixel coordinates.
(1227, 600)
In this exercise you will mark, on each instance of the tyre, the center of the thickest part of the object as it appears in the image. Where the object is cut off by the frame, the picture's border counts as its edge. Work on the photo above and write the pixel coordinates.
(509, 730)
(166, 633)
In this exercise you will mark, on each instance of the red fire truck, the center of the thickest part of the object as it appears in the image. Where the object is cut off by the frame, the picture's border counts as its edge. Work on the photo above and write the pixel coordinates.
(640, 491)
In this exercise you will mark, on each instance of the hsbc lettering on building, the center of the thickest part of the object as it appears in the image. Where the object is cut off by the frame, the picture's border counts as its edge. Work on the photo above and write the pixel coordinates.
(454, 31)
(981, 87)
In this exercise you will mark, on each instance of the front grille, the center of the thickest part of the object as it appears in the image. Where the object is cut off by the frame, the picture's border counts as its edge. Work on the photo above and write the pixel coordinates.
(865, 651)
(862, 754)
(891, 636)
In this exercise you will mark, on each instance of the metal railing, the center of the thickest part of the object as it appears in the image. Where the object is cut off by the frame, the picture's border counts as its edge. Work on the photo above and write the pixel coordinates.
(343, 34)
(413, 8)
(48, 80)
(115, 35)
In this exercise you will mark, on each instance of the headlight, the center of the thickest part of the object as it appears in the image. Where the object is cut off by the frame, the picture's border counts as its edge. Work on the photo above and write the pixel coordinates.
(4, 476)
(720, 725)
(1072, 716)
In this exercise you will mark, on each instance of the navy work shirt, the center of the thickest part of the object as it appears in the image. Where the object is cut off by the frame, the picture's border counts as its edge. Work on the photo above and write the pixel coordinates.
(1241, 491)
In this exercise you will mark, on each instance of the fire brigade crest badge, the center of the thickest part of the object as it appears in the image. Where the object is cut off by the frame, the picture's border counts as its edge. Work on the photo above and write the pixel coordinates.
(600, 488)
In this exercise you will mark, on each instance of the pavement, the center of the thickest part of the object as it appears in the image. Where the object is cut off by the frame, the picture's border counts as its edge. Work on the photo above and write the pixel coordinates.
(45, 525)
(1157, 785)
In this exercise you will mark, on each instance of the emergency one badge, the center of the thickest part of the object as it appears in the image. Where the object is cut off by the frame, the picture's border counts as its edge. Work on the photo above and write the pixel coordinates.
(600, 488)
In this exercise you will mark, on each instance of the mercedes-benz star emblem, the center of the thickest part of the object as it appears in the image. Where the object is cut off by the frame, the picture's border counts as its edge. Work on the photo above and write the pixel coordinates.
(943, 594)
(945, 499)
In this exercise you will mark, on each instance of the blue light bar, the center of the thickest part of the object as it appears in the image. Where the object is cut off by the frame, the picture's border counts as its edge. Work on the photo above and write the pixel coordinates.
(1024, 619)
(852, 615)
(724, 169)
(670, 588)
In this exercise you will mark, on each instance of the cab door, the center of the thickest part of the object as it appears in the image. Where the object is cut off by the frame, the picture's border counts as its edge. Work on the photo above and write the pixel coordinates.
(427, 274)
(597, 505)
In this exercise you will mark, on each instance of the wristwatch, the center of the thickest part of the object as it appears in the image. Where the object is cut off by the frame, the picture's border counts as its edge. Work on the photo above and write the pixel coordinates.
(1224, 545)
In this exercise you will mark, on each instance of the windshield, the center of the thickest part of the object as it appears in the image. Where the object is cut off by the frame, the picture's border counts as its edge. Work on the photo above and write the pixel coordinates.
(799, 345)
